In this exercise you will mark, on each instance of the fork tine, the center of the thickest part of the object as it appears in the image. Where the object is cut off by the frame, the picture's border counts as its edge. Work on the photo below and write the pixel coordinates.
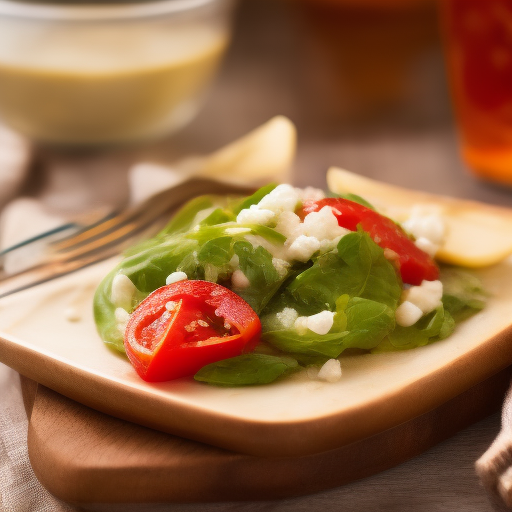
(135, 220)
(106, 238)
(39, 237)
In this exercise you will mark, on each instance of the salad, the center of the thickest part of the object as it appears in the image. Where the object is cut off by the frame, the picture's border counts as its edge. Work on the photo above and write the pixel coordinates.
(243, 291)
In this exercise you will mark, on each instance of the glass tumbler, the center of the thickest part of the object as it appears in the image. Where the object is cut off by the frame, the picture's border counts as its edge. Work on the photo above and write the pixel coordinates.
(478, 48)
(99, 73)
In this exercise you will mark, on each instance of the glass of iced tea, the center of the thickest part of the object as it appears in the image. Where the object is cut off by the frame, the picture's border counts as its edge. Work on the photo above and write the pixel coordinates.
(478, 47)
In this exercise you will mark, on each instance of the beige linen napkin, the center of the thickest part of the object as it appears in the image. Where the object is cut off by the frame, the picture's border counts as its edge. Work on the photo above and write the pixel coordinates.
(494, 467)
(20, 491)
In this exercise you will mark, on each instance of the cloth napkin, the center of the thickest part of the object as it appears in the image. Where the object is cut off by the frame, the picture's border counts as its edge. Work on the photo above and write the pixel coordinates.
(20, 491)
(494, 467)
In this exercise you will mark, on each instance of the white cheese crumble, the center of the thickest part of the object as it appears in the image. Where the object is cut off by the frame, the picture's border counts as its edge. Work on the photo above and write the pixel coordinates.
(427, 296)
(319, 232)
(427, 246)
(122, 316)
(330, 371)
(303, 247)
(320, 323)
(71, 314)
(122, 291)
(301, 324)
(175, 277)
(277, 251)
(323, 225)
(281, 266)
(234, 261)
(426, 224)
(407, 314)
(240, 280)
(390, 255)
(283, 197)
(255, 215)
(312, 194)
(289, 225)
(287, 317)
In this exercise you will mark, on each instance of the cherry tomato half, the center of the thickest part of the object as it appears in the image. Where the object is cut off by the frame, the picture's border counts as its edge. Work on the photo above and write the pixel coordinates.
(184, 326)
(414, 264)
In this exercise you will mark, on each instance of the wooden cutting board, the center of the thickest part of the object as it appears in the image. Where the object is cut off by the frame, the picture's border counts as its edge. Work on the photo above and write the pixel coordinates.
(83, 456)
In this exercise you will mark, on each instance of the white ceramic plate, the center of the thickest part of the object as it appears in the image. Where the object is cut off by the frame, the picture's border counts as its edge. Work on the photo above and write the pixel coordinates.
(293, 417)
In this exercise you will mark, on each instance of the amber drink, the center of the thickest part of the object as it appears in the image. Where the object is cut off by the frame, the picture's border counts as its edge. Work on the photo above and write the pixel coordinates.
(478, 42)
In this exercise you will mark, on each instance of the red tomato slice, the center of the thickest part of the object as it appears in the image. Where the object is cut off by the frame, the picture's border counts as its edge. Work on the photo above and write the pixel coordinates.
(202, 323)
(414, 264)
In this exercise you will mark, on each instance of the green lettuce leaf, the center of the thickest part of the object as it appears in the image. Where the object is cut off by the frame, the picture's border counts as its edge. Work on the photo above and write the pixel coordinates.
(358, 323)
(328, 345)
(256, 264)
(357, 268)
(148, 271)
(368, 322)
(218, 216)
(254, 198)
(433, 327)
(216, 252)
(246, 370)
(463, 293)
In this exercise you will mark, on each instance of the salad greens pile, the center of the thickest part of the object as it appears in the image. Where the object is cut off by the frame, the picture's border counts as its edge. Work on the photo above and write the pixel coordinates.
(354, 280)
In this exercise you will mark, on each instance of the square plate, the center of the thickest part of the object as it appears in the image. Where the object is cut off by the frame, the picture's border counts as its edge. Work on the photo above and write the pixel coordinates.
(293, 417)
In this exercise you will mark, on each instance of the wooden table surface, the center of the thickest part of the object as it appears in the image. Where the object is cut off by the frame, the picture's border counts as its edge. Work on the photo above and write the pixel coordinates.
(279, 63)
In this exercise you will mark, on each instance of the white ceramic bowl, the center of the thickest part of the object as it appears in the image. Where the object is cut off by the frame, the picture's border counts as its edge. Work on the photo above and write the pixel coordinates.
(90, 74)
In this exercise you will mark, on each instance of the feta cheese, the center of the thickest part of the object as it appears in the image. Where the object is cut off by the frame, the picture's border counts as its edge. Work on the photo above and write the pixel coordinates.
(175, 277)
(239, 279)
(303, 247)
(283, 198)
(312, 194)
(407, 314)
(122, 291)
(301, 324)
(281, 266)
(323, 225)
(289, 225)
(277, 251)
(426, 222)
(71, 314)
(287, 317)
(320, 323)
(255, 215)
(427, 296)
(122, 317)
(390, 255)
(427, 246)
(330, 371)
(234, 261)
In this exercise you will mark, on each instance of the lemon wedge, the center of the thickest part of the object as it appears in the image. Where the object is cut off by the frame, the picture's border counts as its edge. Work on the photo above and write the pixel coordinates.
(262, 155)
(477, 234)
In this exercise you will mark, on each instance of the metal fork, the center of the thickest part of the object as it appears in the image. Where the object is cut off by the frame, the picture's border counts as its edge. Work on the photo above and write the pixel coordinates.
(65, 253)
